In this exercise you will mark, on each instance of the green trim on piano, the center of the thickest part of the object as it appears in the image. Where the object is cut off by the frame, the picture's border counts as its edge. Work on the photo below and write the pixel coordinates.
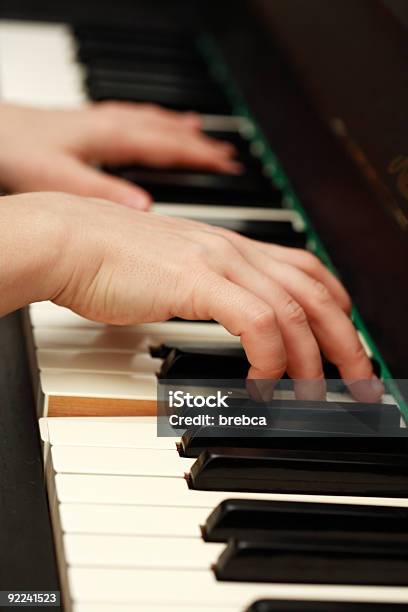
(219, 71)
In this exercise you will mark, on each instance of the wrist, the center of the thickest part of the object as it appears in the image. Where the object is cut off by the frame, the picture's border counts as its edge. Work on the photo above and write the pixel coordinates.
(32, 242)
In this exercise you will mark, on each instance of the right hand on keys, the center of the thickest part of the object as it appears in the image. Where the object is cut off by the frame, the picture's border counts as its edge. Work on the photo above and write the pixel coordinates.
(116, 265)
(46, 150)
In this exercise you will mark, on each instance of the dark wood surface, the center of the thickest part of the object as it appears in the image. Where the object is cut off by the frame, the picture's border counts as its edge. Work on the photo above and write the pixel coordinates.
(368, 248)
(27, 559)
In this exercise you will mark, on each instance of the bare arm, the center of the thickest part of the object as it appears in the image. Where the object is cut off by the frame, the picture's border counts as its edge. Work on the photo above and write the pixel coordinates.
(30, 248)
(117, 265)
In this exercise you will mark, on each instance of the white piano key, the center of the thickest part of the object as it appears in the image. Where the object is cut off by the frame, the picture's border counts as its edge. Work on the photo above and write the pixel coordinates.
(162, 491)
(132, 520)
(173, 587)
(125, 461)
(106, 339)
(116, 386)
(50, 315)
(206, 211)
(365, 344)
(134, 339)
(78, 360)
(143, 552)
(131, 432)
(137, 385)
(37, 65)
(46, 305)
(226, 123)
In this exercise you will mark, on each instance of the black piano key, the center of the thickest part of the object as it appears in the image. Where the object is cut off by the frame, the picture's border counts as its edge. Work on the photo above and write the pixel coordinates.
(184, 187)
(275, 605)
(223, 363)
(176, 100)
(204, 363)
(243, 519)
(89, 49)
(303, 472)
(196, 440)
(180, 178)
(146, 85)
(277, 232)
(158, 36)
(150, 76)
(310, 415)
(323, 558)
(146, 66)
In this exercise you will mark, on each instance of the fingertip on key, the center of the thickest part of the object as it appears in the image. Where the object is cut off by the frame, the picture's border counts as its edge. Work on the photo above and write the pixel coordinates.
(368, 391)
(261, 390)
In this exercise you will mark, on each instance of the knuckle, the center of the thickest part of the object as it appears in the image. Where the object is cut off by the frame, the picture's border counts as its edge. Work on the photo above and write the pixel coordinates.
(229, 235)
(220, 244)
(294, 313)
(107, 116)
(311, 262)
(199, 253)
(347, 303)
(320, 294)
(262, 322)
(358, 354)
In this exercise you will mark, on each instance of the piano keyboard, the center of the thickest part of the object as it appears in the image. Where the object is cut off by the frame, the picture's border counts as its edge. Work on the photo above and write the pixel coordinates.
(126, 517)
(127, 524)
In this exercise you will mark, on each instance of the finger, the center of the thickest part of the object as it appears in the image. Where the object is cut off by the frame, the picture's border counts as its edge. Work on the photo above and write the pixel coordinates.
(310, 264)
(303, 354)
(333, 329)
(173, 119)
(111, 121)
(157, 142)
(193, 151)
(244, 315)
(138, 114)
(71, 175)
(299, 258)
(196, 151)
(193, 120)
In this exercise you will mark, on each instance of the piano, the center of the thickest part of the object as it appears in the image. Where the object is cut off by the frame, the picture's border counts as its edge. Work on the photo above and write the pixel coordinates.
(118, 518)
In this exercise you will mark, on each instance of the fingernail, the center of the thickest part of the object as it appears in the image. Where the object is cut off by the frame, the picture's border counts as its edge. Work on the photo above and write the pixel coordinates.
(192, 119)
(137, 202)
(261, 390)
(366, 390)
(310, 389)
(232, 167)
(226, 147)
(376, 385)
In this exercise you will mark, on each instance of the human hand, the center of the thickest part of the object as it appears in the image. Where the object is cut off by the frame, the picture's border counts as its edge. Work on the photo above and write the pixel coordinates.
(121, 266)
(57, 150)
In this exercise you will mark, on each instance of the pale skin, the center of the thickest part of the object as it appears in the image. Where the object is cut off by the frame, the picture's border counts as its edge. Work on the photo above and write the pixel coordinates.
(57, 150)
(121, 266)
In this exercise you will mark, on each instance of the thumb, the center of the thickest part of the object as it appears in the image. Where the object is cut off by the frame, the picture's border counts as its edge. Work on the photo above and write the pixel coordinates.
(77, 177)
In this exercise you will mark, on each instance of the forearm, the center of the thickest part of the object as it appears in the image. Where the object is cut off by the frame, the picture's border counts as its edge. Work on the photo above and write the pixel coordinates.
(29, 242)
